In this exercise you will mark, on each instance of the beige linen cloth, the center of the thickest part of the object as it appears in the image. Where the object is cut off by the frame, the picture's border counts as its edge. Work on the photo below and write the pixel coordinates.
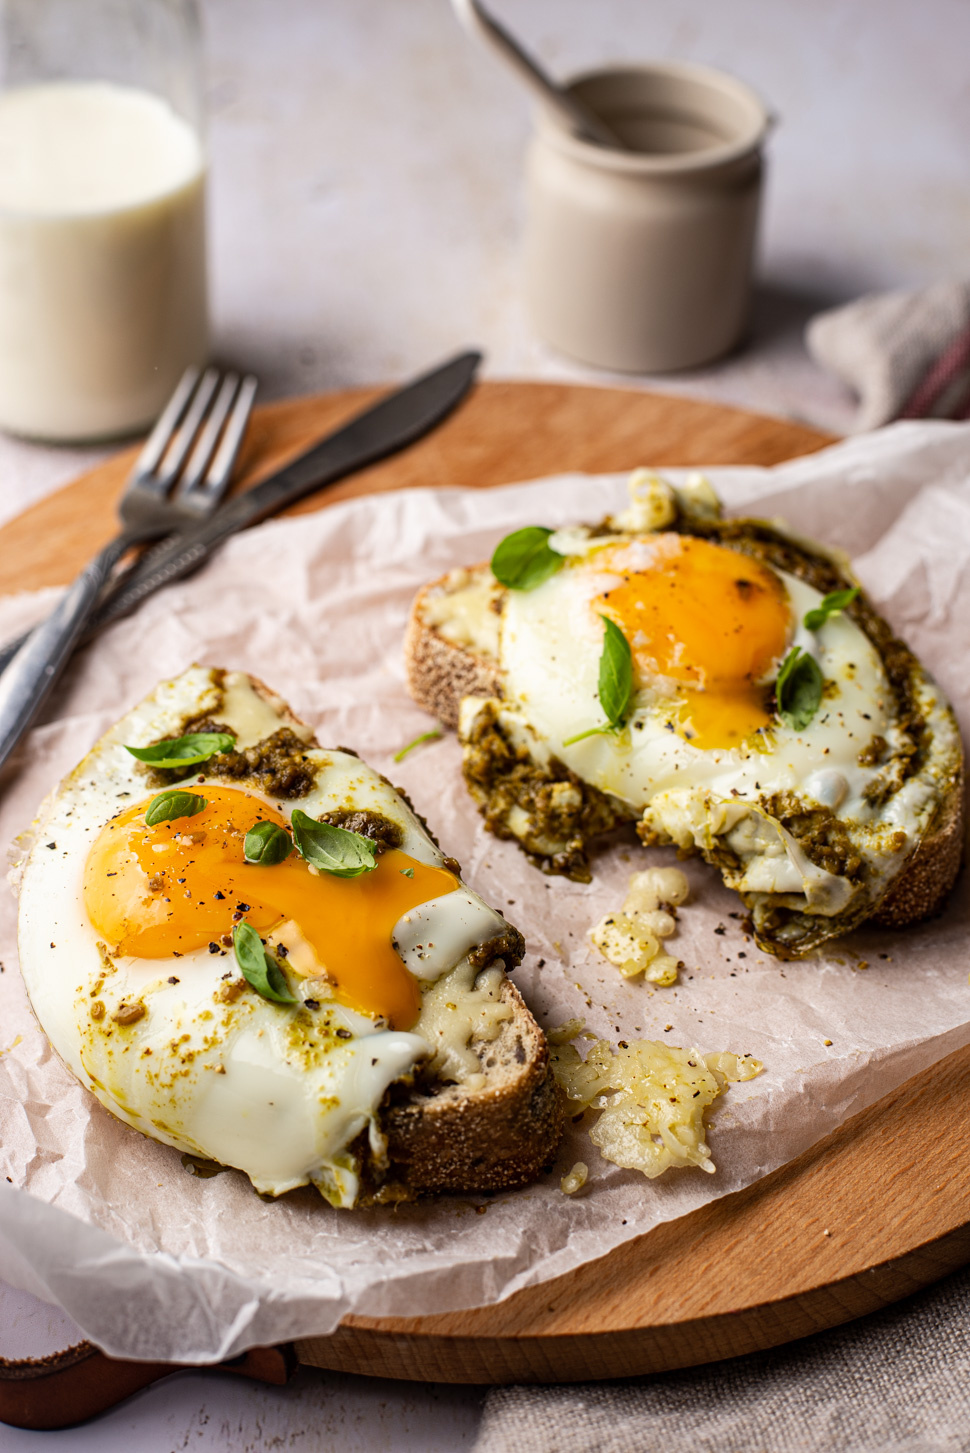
(895, 1382)
(906, 355)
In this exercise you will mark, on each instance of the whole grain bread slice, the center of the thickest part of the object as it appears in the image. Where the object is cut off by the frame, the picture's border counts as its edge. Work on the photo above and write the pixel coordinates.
(441, 673)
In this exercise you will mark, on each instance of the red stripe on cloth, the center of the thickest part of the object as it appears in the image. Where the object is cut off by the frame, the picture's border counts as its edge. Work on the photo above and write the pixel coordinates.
(954, 359)
(961, 409)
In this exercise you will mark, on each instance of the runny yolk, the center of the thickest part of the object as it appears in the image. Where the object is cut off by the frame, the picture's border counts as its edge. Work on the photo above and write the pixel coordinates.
(707, 618)
(157, 892)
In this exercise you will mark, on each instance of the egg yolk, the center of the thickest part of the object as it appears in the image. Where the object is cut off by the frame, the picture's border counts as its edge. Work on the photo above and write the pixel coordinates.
(710, 621)
(158, 892)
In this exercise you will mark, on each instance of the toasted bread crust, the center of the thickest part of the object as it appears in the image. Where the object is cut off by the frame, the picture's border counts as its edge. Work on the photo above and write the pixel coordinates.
(922, 887)
(443, 673)
(488, 1139)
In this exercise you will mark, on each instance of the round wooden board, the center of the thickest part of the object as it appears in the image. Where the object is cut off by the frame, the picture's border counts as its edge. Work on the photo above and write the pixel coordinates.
(870, 1214)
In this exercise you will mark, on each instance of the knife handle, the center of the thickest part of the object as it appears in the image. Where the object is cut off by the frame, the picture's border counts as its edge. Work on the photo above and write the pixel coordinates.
(38, 663)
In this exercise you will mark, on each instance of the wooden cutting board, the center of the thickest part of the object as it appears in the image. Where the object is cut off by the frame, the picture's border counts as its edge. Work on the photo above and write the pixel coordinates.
(873, 1212)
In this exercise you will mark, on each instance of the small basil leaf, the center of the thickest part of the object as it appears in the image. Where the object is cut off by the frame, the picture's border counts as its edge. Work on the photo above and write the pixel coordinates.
(333, 849)
(184, 751)
(431, 736)
(259, 968)
(173, 803)
(267, 844)
(615, 682)
(798, 690)
(616, 674)
(829, 605)
(524, 560)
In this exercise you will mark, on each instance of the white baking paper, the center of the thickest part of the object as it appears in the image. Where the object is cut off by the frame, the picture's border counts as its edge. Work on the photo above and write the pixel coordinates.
(155, 1263)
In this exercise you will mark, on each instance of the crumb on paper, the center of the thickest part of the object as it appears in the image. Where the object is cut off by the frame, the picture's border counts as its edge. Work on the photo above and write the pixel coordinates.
(575, 1179)
(630, 939)
(565, 1033)
(651, 1097)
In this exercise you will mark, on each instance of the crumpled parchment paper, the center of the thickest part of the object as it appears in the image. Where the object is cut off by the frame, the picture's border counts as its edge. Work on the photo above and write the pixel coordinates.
(155, 1263)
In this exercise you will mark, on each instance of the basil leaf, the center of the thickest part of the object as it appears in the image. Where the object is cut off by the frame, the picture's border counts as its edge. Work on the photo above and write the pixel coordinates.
(524, 560)
(259, 968)
(267, 844)
(431, 736)
(830, 605)
(173, 803)
(616, 674)
(615, 682)
(333, 849)
(798, 690)
(184, 751)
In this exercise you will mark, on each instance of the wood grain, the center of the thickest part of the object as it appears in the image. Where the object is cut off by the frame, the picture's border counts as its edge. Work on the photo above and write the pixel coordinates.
(870, 1214)
(891, 1187)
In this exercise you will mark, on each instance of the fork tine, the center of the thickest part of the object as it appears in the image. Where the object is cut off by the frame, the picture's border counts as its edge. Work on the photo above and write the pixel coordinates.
(208, 439)
(168, 421)
(171, 464)
(217, 480)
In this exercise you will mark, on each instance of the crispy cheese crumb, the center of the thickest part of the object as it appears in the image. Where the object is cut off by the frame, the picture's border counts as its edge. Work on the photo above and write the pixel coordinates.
(631, 938)
(652, 504)
(575, 1179)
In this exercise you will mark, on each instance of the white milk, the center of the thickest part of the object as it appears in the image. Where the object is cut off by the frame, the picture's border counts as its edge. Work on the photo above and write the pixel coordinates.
(102, 258)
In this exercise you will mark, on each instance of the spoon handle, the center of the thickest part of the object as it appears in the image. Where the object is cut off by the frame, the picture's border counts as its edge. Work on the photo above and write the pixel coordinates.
(570, 110)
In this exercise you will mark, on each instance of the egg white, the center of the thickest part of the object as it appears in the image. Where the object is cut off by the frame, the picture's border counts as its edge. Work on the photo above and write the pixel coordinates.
(280, 1092)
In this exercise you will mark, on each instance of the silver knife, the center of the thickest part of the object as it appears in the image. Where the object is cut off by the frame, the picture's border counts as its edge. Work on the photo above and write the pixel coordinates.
(395, 421)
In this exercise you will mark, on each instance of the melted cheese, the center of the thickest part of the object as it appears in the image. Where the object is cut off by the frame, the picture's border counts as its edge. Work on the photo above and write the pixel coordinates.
(463, 611)
(463, 1009)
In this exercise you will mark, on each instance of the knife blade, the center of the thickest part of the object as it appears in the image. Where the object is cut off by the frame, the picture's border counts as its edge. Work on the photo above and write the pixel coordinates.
(391, 424)
(398, 419)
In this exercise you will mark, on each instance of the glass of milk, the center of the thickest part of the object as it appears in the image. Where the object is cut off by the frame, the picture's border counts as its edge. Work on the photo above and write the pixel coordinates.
(102, 213)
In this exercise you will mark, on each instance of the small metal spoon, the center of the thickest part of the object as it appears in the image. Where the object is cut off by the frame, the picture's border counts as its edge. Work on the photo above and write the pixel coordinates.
(570, 110)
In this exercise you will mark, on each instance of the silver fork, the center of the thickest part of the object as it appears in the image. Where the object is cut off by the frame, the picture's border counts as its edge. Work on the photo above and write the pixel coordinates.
(178, 479)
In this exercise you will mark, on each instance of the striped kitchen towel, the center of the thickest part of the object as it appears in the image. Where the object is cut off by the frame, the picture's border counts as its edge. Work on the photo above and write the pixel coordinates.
(906, 355)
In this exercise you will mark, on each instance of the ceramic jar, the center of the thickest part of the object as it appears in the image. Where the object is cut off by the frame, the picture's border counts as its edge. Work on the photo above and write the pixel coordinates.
(640, 260)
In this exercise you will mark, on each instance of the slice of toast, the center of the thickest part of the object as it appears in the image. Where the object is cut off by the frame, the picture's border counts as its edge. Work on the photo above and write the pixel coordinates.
(449, 1136)
(464, 1098)
(445, 1135)
(450, 662)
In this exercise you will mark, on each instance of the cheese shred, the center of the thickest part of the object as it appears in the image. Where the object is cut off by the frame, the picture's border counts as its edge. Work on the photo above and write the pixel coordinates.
(651, 1097)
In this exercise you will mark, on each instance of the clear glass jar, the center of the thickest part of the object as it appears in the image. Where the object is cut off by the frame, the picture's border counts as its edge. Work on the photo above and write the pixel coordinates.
(102, 213)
